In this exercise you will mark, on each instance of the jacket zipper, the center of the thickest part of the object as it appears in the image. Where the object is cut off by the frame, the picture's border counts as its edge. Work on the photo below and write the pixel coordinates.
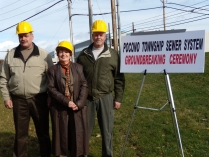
(94, 64)
(24, 66)
(25, 61)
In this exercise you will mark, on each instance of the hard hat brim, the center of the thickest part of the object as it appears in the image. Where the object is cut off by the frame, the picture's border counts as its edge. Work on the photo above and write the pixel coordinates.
(24, 32)
(98, 31)
(62, 47)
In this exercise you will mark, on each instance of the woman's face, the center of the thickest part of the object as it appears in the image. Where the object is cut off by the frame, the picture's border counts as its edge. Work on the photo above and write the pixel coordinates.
(63, 55)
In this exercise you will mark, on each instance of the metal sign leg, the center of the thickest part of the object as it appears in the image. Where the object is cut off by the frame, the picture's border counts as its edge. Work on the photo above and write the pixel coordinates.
(135, 107)
(173, 112)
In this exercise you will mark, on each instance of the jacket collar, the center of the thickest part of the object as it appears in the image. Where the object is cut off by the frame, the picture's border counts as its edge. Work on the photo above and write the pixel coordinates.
(18, 54)
(60, 74)
(105, 51)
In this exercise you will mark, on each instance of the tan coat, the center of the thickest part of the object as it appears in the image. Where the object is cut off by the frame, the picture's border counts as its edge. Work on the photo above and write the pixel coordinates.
(24, 78)
(69, 128)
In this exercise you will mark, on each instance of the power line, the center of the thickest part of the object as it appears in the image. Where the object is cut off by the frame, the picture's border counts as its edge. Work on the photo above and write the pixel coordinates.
(156, 20)
(145, 9)
(148, 9)
(120, 11)
(50, 13)
(140, 9)
(99, 9)
(188, 21)
(175, 21)
(172, 24)
(61, 24)
(187, 10)
(33, 15)
(180, 10)
(23, 12)
(18, 7)
(187, 6)
(44, 10)
(77, 14)
(167, 13)
(10, 4)
(58, 29)
(100, 13)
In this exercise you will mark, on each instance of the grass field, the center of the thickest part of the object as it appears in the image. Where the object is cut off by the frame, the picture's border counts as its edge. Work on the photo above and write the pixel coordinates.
(152, 132)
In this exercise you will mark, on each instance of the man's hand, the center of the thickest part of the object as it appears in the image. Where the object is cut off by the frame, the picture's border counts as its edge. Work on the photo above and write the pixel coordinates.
(117, 105)
(8, 104)
(72, 105)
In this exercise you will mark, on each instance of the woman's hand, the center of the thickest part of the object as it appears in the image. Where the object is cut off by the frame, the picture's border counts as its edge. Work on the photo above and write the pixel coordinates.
(72, 105)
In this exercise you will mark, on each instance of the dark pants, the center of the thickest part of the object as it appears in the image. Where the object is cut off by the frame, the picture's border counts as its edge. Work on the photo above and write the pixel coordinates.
(104, 108)
(36, 108)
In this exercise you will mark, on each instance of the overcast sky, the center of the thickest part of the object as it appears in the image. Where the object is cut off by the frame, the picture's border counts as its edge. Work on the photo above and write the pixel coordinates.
(52, 25)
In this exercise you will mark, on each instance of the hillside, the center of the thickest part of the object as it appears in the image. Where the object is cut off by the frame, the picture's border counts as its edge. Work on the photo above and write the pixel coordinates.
(152, 132)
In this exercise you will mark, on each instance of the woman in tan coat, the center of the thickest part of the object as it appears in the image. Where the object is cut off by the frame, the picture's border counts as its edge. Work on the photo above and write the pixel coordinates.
(67, 89)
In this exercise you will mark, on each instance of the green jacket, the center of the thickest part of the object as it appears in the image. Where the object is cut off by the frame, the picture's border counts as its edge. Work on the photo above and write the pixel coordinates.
(24, 78)
(103, 75)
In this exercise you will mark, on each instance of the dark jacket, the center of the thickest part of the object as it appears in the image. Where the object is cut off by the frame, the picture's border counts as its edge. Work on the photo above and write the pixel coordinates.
(103, 75)
(68, 125)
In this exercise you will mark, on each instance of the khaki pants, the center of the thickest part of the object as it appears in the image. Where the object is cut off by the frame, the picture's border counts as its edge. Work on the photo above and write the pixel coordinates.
(36, 108)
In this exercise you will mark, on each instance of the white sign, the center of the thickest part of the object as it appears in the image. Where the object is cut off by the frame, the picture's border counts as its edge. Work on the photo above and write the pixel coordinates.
(175, 53)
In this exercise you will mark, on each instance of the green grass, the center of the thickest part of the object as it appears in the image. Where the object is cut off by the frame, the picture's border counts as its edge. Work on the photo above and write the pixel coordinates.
(152, 132)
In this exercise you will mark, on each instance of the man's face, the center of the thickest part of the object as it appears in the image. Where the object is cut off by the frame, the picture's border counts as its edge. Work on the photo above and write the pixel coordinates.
(25, 40)
(99, 39)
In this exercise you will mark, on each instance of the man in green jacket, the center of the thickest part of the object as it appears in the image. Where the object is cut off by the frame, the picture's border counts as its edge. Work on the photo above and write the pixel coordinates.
(101, 67)
(23, 86)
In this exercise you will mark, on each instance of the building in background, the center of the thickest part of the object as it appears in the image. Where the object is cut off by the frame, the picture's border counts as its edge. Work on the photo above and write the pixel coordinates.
(54, 56)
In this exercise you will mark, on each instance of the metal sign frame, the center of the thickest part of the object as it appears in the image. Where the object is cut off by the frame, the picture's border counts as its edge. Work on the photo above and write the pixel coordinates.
(170, 101)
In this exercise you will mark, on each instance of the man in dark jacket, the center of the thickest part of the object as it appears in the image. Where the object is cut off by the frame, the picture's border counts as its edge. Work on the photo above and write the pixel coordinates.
(101, 67)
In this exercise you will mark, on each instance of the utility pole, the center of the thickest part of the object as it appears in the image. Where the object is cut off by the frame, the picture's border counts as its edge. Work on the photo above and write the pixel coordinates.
(70, 21)
(114, 28)
(71, 27)
(110, 40)
(133, 27)
(119, 26)
(90, 20)
(163, 1)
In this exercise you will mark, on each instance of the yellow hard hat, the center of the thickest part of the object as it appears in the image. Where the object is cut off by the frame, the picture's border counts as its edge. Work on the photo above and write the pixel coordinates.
(65, 44)
(24, 27)
(99, 26)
